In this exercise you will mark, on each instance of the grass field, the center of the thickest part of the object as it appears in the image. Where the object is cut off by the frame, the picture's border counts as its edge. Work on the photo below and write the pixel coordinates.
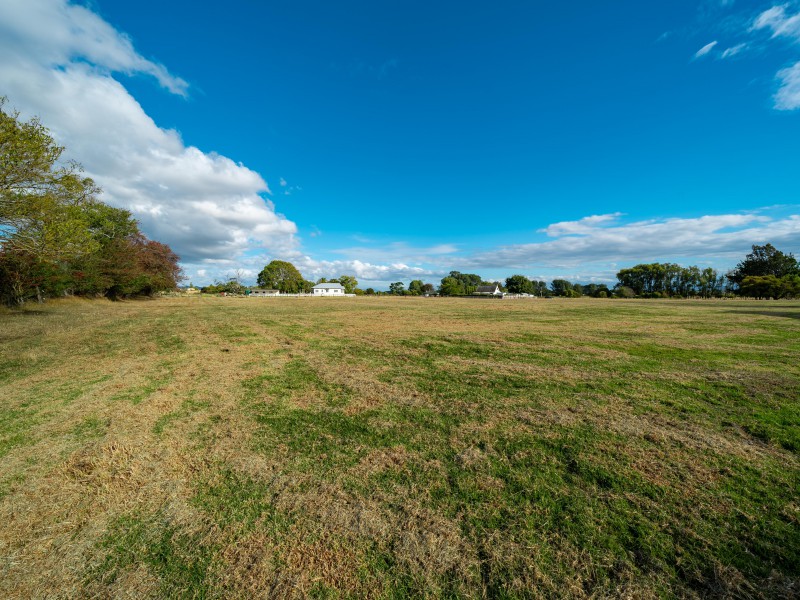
(400, 448)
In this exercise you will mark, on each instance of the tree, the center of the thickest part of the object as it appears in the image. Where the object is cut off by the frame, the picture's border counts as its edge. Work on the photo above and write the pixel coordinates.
(519, 284)
(451, 287)
(282, 276)
(428, 288)
(762, 261)
(623, 291)
(415, 287)
(668, 279)
(41, 203)
(396, 288)
(595, 290)
(56, 238)
(561, 287)
(468, 282)
(126, 262)
(770, 286)
(540, 288)
(349, 283)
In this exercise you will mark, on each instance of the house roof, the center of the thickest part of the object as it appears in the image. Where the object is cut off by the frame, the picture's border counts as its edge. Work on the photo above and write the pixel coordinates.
(487, 289)
(329, 286)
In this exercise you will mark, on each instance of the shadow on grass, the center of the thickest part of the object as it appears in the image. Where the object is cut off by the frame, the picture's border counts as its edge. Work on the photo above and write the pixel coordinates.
(785, 314)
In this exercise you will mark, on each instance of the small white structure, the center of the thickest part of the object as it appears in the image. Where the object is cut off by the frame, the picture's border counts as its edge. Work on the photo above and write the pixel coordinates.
(328, 289)
(488, 290)
(262, 293)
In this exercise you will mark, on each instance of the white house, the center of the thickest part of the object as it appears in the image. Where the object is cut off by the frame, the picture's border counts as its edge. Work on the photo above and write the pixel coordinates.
(328, 289)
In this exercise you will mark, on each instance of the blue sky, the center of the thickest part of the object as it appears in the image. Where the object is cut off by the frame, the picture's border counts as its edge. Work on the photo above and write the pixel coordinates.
(400, 140)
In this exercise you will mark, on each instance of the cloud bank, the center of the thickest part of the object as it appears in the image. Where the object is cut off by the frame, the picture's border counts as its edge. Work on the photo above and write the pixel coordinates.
(592, 248)
(59, 62)
(603, 239)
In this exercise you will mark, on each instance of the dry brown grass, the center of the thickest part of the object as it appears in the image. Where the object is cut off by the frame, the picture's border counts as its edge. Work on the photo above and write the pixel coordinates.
(139, 408)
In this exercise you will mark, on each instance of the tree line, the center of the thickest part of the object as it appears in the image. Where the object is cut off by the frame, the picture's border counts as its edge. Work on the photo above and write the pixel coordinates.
(764, 273)
(56, 237)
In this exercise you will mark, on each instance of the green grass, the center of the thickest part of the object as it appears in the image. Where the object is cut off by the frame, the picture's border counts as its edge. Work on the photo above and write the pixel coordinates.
(182, 563)
(402, 448)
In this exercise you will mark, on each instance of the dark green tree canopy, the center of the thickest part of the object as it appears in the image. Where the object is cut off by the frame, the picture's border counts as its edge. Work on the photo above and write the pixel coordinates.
(765, 260)
(415, 287)
(282, 276)
(459, 284)
(451, 287)
(769, 286)
(561, 287)
(668, 279)
(519, 284)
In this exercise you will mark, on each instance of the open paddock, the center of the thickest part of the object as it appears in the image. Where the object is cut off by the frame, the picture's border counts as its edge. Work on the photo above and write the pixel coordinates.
(400, 447)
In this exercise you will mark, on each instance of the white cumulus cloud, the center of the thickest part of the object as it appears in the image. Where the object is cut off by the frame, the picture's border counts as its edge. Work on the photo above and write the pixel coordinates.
(59, 62)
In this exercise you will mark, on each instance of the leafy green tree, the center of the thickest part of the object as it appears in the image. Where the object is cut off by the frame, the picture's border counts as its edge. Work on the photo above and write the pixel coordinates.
(519, 284)
(397, 288)
(595, 290)
(415, 287)
(762, 261)
(282, 276)
(56, 238)
(369, 291)
(623, 291)
(349, 283)
(428, 288)
(41, 203)
(668, 279)
(770, 286)
(560, 287)
(451, 287)
(467, 281)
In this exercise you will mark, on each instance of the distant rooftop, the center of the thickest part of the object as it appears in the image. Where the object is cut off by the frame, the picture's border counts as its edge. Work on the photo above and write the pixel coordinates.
(329, 286)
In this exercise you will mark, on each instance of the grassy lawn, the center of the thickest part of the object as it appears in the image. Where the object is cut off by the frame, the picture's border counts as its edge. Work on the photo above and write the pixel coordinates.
(400, 448)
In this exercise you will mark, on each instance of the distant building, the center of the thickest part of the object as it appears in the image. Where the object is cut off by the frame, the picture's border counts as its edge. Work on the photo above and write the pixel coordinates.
(488, 290)
(261, 293)
(328, 289)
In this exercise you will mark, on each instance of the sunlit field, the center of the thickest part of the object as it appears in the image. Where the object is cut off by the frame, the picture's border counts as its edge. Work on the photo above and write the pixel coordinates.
(400, 448)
